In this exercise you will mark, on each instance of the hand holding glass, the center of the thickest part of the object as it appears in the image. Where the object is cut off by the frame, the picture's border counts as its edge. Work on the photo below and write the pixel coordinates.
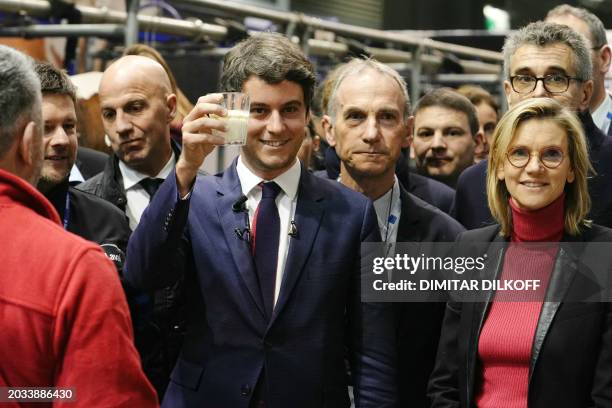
(237, 105)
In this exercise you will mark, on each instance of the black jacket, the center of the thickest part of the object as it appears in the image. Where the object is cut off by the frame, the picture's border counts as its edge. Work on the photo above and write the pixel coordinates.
(90, 162)
(418, 324)
(94, 219)
(572, 348)
(108, 184)
(470, 206)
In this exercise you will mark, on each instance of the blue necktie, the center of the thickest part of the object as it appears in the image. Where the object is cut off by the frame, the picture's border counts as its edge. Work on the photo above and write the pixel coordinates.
(267, 231)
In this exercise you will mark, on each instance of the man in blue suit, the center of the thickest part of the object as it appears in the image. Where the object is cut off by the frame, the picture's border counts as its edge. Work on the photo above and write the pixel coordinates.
(270, 255)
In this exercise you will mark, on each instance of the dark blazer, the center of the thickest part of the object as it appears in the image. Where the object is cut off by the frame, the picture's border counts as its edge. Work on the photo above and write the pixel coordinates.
(418, 324)
(572, 348)
(229, 340)
(470, 206)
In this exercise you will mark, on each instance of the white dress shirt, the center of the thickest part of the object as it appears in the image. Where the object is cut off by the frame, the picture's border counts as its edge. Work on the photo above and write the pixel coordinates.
(285, 202)
(137, 198)
(602, 115)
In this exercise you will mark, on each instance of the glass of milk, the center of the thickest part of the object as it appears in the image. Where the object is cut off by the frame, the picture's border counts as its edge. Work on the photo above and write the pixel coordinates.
(237, 105)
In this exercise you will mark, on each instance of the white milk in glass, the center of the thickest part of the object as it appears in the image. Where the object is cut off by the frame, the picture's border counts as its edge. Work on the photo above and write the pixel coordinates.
(236, 122)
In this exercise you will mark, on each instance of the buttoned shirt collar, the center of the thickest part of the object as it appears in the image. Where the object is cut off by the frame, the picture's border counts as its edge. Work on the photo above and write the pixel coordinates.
(132, 177)
(288, 181)
(600, 115)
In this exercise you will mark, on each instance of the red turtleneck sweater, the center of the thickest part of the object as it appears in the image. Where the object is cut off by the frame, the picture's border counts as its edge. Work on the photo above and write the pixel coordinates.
(506, 338)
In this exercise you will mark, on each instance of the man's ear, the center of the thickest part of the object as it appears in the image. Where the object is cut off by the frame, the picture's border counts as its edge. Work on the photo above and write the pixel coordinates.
(587, 93)
(172, 105)
(605, 60)
(29, 145)
(508, 91)
(407, 139)
(326, 123)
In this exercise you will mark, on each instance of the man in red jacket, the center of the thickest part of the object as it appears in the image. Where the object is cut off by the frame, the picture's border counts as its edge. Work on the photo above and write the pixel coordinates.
(64, 318)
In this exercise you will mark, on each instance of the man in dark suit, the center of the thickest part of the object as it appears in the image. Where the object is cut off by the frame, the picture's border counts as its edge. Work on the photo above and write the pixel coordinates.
(270, 255)
(369, 123)
(427, 189)
(138, 106)
(545, 60)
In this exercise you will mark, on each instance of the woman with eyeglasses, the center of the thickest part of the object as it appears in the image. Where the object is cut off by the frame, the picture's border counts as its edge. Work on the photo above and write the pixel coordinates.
(553, 348)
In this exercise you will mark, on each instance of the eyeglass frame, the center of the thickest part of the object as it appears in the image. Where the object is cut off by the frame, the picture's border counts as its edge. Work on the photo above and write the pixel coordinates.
(539, 155)
(535, 84)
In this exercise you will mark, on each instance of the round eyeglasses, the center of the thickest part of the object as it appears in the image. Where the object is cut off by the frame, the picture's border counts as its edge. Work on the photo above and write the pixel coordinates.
(553, 83)
(551, 157)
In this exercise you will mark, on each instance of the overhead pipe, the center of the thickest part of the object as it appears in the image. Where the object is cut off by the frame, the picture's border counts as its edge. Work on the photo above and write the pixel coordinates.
(315, 23)
(189, 29)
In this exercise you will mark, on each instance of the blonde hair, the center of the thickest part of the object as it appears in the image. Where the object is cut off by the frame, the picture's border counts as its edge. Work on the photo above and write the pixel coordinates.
(577, 199)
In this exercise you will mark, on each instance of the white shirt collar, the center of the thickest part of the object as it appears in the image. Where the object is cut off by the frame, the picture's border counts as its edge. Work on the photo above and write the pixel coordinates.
(600, 115)
(132, 177)
(288, 181)
(75, 175)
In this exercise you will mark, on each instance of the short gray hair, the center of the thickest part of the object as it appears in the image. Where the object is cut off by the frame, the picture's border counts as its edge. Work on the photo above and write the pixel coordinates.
(357, 65)
(541, 34)
(20, 98)
(271, 57)
(596, 27)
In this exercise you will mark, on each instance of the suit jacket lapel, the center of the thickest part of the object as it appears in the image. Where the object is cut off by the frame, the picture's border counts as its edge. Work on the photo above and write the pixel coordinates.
(228, 192)
(563, 274)
(308, 213)
(408, 229)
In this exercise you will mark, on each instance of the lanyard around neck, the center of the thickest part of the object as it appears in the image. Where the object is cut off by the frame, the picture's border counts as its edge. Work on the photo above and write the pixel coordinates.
(67, 211)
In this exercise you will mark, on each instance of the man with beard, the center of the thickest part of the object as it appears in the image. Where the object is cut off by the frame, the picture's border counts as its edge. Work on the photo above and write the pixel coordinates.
(81, 213)
(446, 133)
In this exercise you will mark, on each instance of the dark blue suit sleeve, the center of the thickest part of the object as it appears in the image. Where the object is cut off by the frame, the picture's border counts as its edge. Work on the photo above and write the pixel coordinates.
(373, 341)
(158, 247)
